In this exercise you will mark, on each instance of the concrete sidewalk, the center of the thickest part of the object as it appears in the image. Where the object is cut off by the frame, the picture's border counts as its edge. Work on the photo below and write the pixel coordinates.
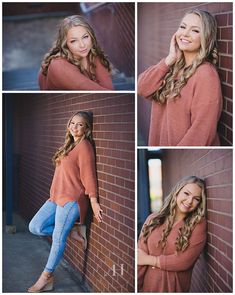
(24, 257)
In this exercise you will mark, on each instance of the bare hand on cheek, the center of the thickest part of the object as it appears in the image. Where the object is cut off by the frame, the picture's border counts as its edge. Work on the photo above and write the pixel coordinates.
(174, 52)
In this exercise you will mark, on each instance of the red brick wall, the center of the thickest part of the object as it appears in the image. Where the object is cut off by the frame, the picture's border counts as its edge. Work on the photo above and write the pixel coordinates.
(114, 24)
(213, 271)
(39, 126)
(10, 9)
(156, 24)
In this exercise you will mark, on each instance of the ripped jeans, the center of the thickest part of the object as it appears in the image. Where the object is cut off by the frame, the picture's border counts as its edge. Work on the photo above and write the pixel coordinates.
(56, 221)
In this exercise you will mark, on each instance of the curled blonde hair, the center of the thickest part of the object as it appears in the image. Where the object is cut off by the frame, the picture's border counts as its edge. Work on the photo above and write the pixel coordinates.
(69, 143)
(60, 48)
(168, 213)
(172, 84)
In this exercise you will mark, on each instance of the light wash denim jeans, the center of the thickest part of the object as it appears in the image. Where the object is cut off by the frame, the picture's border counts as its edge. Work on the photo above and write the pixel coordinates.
(56, 221)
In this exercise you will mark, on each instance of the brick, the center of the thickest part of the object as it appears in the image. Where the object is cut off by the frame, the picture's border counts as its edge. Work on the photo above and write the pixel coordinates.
(229, 134)
(224, 7)
(218, 36)
(226, 62)
(230, 47)
(223, 75)
(222, 46)
(230, 77)
(226, 33)
(230, 281)
(226, 119)
(227, 91)
(230, 19)
(221, 19)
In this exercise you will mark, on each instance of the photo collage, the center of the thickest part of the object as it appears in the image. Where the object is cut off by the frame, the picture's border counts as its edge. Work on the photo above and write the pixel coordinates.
(117, 155)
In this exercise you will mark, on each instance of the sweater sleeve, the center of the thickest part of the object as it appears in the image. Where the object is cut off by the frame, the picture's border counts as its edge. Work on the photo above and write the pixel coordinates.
(66, 76)
(86, 159)
(205, 109)
(185, 260)
(103, 76)
(143, 246)
(150, 80)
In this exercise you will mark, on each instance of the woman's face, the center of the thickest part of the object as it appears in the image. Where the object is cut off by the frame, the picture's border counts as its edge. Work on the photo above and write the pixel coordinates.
(79, 42)
(77, 127)
(188, 36)
(188, 199)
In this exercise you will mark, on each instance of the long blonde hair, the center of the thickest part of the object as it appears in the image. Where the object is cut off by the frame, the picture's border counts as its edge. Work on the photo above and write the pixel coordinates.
(168, 213)
(60, 48)
(69, 143)
(171, 85)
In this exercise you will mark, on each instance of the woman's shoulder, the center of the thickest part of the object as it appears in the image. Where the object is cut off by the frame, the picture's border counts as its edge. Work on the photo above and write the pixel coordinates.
(97, 62)
(59, 62)
(150, 217)
(206, 70)
(201, 226)
(85, 144)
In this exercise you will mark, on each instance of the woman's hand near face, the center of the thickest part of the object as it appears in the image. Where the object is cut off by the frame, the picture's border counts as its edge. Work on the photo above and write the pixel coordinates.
(97, 210)
(174, 52)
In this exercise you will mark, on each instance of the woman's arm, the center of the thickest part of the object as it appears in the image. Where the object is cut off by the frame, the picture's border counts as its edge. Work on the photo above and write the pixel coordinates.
(86, 159)
(183, 260)
(142, 249)
(146, 259)
(205, 109)
(65, 76)
(150, 80)
(96, 209)
(103, 75)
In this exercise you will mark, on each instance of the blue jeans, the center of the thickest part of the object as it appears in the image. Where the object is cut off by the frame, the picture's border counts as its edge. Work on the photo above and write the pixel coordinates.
(56, 221)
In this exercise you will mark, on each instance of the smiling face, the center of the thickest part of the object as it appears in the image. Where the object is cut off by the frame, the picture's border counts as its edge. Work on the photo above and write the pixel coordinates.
(188, 36)
(187, 200)
(79, 42)
(77, 127)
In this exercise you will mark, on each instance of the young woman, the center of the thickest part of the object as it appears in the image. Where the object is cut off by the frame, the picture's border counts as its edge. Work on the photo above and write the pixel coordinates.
(172, 239)
(74, 186)
(185, 86)
(76, 61)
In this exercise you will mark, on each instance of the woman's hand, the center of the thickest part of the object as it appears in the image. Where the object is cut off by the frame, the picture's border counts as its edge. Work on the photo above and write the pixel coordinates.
(174, 52)
(145, 259)
(97, 211)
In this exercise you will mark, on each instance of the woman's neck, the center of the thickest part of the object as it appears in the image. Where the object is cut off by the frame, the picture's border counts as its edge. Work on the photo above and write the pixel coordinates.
(78, 139)
(189, 58)
(84, 63)
(179, 215)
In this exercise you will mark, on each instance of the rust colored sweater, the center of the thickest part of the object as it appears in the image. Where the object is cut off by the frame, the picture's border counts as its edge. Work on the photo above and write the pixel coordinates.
(174, 274)
(75, 178)
(190, 120)
(63, 75)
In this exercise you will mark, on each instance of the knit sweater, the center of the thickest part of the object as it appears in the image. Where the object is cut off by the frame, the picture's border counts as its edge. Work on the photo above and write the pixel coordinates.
(174, 274)
(62, 75)
(75, 178)
(188, 120)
